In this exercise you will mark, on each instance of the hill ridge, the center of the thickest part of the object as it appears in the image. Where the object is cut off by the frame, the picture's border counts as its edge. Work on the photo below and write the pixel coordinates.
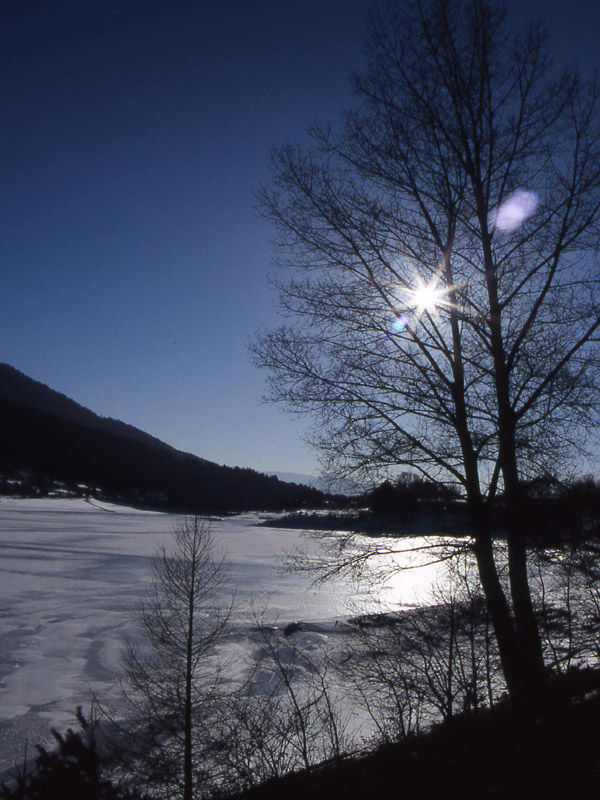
(51, 436)
(16, 386)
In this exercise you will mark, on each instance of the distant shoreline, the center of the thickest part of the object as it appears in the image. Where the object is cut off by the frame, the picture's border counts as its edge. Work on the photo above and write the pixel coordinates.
(432, 522)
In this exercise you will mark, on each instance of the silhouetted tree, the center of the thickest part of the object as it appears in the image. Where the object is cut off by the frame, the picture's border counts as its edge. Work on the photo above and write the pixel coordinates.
(170, 678)
(73, 770)
(444, 312)
(407, 493)
(287, 715)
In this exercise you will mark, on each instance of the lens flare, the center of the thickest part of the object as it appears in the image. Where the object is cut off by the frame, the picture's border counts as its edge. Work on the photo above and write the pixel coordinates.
(400, 323)
(513, 212)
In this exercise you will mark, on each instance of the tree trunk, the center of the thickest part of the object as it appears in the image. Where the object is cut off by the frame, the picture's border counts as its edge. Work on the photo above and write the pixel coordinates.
(187, 732)
(187, 748)
(497, 603)
(528, 641)
(528, 638)
(528, 661)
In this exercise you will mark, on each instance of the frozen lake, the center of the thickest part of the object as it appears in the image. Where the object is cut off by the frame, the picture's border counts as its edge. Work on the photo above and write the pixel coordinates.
(73, 572)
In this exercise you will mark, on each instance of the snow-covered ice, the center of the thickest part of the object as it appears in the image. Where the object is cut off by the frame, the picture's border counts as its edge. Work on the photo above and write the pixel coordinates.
(72, 573)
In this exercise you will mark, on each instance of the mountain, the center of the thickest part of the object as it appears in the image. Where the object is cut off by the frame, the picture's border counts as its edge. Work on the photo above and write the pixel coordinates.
(46, 437)
(18, 388)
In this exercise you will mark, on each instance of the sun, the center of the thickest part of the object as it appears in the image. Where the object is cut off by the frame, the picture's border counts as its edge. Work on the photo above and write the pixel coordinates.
(427, 297)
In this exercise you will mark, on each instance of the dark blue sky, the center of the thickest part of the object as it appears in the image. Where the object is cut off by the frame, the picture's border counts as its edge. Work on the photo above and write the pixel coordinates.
(134, 133)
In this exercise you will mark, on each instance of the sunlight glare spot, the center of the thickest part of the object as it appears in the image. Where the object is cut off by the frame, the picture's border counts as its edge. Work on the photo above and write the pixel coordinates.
(427, 296)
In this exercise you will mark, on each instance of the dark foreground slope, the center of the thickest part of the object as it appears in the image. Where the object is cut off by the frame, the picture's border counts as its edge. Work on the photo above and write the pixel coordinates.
(52, 438)
(499, 755)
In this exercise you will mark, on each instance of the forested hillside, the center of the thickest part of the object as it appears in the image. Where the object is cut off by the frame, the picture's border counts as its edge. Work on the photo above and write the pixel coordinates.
(45, 437)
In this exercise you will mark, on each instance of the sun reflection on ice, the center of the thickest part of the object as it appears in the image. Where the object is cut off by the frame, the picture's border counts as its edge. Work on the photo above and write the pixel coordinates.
(407, 577)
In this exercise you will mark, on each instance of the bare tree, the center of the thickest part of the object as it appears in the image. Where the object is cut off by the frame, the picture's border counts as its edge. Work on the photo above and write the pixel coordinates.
(444, 310)
(172, 677)
(287, 714)
(411, 667)
(566, 596)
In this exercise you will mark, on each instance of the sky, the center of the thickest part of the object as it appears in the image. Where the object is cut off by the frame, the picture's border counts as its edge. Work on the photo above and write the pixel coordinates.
(133, 264)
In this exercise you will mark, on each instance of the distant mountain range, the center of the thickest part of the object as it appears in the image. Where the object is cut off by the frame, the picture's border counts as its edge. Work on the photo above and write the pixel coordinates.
(45, 438)
(329, 484)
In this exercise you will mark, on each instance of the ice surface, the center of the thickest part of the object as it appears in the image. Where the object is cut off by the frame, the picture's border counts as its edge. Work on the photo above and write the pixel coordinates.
(72, 574)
